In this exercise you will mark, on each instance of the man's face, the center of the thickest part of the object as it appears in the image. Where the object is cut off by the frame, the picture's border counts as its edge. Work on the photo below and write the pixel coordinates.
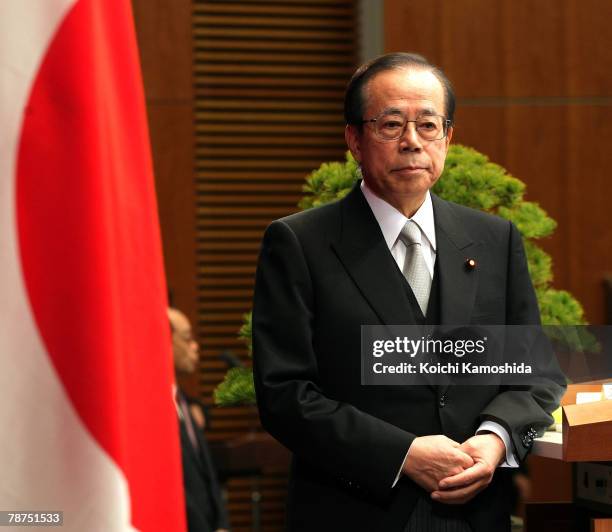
(184, 347)
(400, 171)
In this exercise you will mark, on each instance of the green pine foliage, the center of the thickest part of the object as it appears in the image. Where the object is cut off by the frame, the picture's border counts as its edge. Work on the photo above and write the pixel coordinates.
(237, 388)
(559, 307)
(540, 266)
(470, 179)
(245, 332)
(330, 182)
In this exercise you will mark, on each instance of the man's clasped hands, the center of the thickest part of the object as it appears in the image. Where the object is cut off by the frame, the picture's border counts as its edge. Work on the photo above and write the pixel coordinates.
(452, 472)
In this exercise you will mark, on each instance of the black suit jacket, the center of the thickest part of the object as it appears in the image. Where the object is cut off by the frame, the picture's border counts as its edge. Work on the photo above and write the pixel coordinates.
(205, 507)
(322, 274)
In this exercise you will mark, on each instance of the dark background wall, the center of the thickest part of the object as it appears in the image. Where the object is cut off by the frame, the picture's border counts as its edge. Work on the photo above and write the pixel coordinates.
(164, 38)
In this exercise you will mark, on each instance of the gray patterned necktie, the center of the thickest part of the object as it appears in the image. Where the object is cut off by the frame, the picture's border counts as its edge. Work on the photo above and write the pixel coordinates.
(415, 269)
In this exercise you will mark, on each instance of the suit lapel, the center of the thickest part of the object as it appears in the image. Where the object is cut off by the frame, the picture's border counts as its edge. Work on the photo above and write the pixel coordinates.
(363, 251)
(458, 283)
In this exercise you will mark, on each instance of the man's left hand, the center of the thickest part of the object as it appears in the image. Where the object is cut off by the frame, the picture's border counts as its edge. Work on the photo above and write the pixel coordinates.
(488, 451)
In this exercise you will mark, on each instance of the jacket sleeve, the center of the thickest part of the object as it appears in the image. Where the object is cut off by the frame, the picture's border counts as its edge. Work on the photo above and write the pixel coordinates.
(360, 451)
(525, 411)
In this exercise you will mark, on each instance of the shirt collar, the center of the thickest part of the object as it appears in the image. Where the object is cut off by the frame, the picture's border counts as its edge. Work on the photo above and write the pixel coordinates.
(391, 221)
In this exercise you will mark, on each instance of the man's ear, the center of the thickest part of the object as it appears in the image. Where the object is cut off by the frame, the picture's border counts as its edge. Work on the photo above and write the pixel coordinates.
(449, 136)
(352, 135)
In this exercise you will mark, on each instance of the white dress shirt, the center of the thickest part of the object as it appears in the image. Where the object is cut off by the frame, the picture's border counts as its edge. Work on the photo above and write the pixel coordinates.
(391, 222)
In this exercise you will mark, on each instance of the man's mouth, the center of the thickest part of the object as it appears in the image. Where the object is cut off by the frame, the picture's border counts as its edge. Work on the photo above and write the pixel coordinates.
(409, 168)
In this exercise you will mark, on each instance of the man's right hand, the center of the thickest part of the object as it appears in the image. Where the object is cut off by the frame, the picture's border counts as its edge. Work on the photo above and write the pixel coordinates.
(432, 458)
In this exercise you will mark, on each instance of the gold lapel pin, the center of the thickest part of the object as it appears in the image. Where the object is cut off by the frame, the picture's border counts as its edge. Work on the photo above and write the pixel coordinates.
(470, 264)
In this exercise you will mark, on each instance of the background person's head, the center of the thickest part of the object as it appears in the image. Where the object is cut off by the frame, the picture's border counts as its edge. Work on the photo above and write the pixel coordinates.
(185, 348)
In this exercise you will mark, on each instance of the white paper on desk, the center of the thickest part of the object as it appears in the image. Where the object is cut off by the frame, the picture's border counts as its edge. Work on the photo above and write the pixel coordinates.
(587, 397)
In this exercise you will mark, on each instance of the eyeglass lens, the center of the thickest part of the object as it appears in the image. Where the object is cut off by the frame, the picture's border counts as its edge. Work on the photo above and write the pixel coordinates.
(392, 126)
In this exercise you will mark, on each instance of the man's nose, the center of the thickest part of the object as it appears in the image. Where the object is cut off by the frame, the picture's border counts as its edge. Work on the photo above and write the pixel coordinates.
(410, 140)
(196, 347)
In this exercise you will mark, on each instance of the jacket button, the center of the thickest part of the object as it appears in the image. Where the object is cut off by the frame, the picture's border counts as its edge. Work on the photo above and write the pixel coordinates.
(442, 401)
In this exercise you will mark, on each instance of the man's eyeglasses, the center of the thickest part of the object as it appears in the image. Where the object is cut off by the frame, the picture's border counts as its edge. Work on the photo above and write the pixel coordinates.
(392, 126)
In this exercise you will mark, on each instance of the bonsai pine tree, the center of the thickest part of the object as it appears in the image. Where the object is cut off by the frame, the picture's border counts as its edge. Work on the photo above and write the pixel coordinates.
(470, 179)
(237, 386)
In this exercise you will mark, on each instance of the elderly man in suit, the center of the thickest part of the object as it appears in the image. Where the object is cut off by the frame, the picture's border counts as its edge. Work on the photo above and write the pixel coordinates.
(205, 508)
(392, 458)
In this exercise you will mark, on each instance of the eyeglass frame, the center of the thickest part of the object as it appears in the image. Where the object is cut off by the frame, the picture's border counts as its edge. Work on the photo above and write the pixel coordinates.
(446, 123)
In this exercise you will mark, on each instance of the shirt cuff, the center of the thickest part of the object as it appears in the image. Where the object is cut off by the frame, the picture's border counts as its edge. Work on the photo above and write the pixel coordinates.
(496, 428)
(399, 473)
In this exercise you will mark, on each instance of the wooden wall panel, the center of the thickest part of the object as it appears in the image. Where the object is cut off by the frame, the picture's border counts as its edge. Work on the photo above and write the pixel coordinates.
(534, 86)
(589, 198)
(588, 58)
(164, 39)
(538, 156)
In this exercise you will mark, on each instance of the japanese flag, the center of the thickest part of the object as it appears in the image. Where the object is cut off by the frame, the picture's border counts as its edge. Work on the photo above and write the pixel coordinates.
(86, 413)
